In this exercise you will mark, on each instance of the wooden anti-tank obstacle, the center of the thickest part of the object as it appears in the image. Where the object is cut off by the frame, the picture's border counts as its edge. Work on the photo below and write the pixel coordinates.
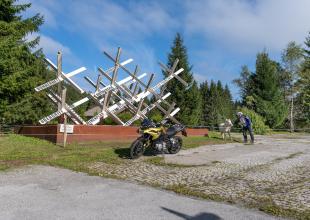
(115, 97)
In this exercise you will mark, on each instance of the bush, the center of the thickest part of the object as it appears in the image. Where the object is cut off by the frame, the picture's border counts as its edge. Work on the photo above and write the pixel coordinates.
(258, 122)
(156, 117)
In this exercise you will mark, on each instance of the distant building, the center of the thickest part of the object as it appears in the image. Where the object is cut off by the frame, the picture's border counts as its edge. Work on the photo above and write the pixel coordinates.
(92, 112)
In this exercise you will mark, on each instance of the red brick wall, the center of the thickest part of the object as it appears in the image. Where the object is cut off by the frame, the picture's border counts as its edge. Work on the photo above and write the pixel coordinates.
(84, 133)
(47, 132)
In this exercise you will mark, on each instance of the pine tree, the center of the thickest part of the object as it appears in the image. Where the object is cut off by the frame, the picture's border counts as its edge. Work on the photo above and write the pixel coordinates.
(306, 64)
(220, 105)
(269, 100)
(212, 111)
(188, 100)
(217, 103)
(304, 86)
(245, 84)
(228, 103)
(205, 96)
(20, 70)
(223, 103)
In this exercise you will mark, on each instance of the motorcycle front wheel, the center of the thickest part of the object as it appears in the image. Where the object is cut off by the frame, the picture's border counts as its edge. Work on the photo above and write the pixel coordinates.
(137, 148)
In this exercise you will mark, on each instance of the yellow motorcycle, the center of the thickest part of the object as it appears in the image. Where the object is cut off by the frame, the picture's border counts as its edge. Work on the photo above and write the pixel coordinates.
(160, 137)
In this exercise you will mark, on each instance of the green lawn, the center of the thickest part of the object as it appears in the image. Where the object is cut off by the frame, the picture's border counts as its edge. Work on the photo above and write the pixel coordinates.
(16, 150)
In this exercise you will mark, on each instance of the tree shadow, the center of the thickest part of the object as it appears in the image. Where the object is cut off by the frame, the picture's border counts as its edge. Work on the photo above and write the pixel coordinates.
(200, 216)
(124, 153)
(149, 152)
(218, 138)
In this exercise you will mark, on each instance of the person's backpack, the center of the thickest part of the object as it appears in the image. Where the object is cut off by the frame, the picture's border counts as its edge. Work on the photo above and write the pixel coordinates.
(247, 121)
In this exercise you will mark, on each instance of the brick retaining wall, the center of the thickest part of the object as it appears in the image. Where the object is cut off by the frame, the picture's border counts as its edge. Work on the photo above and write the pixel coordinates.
(84, 133)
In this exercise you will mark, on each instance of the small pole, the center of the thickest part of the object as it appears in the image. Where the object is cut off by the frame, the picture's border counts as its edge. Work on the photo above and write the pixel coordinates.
(59, 71)
(291, 115)
(65, 130)
(63, 103)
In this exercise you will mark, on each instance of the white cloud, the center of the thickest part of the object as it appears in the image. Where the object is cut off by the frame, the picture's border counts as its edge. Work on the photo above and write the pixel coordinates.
(108, 24)
(226, 29)
(126, 23)
(51, 47)
(249, 26)
(45, 8)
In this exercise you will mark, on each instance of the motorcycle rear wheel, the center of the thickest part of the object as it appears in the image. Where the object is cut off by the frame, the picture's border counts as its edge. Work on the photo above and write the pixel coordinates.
(137, 149)
(175, 148)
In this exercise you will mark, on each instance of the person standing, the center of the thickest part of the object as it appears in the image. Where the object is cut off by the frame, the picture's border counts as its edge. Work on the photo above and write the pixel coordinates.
(246, 125)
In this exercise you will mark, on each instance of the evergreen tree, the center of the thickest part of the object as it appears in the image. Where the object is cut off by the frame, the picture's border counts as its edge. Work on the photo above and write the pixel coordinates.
(223, 103)
(205, 96)
(242, 81)
(212, 112)
(188, 100)
(220, 102)
(245, 84)
(20, 70)
(217, 103)
(304, 86)
(269, 101)
(228, 103)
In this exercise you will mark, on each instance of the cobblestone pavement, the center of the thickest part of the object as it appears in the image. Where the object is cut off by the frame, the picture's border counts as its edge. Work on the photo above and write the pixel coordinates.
(275, 169)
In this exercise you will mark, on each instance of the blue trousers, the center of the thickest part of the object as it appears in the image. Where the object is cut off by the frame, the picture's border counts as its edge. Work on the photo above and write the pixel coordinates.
(245, 137)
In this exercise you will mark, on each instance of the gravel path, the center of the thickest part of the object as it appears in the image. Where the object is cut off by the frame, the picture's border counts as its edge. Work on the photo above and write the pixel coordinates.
(41, 192)
(275, 170)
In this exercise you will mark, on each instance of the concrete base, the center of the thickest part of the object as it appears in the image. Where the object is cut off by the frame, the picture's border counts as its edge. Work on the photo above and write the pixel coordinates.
(85, 133)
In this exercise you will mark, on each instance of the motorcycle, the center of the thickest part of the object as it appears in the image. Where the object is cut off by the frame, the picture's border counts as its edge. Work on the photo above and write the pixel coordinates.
(158, 137)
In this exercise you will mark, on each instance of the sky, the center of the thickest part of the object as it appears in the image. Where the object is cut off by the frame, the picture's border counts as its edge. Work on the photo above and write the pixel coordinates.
(220, 35)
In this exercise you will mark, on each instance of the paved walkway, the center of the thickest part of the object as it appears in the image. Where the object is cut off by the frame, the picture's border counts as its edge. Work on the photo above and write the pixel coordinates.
(41, 192)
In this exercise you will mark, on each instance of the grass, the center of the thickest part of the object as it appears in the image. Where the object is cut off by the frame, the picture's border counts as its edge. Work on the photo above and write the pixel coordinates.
(291, 156)
(17, 150)
(268, 206)
(184, 190)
